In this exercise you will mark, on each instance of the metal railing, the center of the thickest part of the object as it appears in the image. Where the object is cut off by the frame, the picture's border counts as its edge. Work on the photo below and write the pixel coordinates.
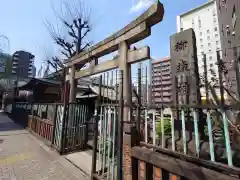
(47, 121)
(203, 132)
(107, 151)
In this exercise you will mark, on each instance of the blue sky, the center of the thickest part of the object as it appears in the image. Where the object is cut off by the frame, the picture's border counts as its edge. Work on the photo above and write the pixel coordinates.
(22, 21)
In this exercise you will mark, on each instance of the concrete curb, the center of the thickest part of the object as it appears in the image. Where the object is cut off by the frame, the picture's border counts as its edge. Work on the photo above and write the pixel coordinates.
(84, 172)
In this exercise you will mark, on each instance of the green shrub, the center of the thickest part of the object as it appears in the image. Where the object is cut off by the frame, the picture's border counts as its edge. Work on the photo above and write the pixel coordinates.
(217, 127)
(167, 127)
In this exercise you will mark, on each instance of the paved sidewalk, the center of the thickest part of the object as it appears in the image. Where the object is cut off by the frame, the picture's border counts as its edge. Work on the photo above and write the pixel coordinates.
(24, 157)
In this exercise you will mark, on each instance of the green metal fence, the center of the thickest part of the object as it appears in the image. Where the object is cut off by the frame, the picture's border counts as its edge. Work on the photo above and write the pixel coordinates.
(66, 133)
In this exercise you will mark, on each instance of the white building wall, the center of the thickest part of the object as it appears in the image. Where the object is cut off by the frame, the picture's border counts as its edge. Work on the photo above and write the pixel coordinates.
(204, 22)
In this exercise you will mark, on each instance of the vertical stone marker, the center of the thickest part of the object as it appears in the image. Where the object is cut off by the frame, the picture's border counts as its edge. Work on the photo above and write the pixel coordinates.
(184, 65)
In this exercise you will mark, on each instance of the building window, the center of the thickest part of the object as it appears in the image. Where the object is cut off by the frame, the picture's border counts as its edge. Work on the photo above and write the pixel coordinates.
(216, 35)
(201, 40)
(211, 65)
(209, 44)
(201, 46)
(208, 31)
(215, 29)
(223, 3)
(210, 57)
(210, 50)
(214, 12)
(234, 17)
(217, 42)
(214, 19)
(200, 33)
(199, 23)
(223, 30)
(208, 37)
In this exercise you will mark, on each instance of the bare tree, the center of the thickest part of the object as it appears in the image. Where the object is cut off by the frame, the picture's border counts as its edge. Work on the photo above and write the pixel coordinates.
(4, 44)
(213, 85)
(71, 35)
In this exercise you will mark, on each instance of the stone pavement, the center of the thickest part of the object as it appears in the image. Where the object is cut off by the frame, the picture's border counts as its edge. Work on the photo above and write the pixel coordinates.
(76, 158)
(24, 157)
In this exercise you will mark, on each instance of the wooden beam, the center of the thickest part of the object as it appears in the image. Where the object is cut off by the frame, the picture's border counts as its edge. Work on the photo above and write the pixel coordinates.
(133, 32)
(140, 30)
(133, 56)
(178, 166)
(106, 66)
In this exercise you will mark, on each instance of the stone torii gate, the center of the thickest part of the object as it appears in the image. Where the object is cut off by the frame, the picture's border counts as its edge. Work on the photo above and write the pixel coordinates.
(137, 30)
(120, 41)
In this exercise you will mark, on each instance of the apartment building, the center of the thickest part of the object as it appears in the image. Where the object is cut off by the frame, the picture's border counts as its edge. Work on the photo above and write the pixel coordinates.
(204, 21)
(33, 73)
(22, 64)
(228, 17)
(161, 86)
(229, 24)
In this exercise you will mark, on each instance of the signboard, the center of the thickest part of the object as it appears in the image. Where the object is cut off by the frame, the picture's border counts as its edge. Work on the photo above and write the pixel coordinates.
(184, 66)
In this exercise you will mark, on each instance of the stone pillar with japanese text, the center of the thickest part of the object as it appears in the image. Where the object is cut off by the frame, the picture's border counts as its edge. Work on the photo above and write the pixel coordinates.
(185, 76)
(184, 66)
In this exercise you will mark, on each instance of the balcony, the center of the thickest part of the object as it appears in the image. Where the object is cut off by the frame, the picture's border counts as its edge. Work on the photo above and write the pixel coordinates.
(162, 101)
(15, 59)
(162, 79)
(161, 88)
(15, 55)
(163, 83)
(165, 73)
(165, 94)
(14, 67)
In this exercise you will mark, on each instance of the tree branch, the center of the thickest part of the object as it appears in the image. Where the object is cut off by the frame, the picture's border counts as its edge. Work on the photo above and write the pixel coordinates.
(85, 33)
(84, 47)
(76, 26)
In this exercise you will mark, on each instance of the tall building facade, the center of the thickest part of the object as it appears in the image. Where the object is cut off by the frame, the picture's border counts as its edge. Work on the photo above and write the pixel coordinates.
(228, 17)
(204, 21)
(161, 86)
(22, 64)
(33, 74)
(229, 24)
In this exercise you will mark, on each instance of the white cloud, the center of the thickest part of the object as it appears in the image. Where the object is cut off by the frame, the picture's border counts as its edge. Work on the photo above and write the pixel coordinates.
(142, 4)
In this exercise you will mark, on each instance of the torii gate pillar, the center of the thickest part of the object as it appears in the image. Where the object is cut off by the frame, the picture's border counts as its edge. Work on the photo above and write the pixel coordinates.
(127, 80)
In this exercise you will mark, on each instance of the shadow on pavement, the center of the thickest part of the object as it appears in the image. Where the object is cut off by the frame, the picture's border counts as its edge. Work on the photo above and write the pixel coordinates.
(7, 124)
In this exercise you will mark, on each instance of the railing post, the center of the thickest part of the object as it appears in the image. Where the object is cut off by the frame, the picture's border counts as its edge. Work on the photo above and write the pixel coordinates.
(46, 112)
(65, 103)
(36, 119)
(120, 131)
(95, 138)
(64, 129)
(30, 119)
(139, 98)
(54, 123)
